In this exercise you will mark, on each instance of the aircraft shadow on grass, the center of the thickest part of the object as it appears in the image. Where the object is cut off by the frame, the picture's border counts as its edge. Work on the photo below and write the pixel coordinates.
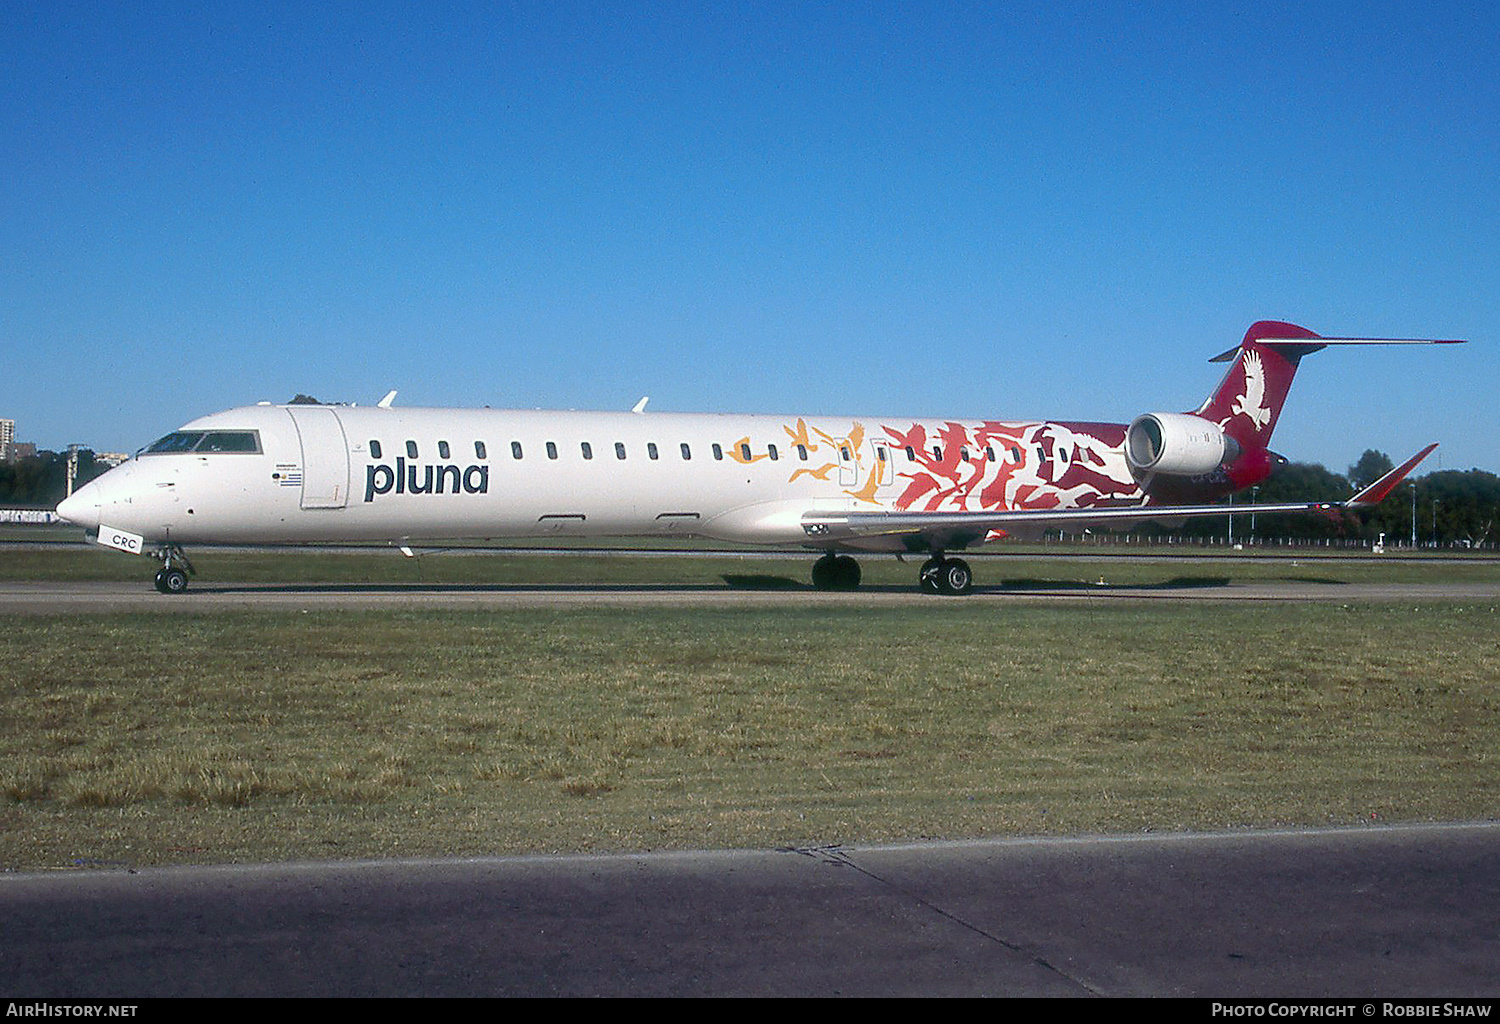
(771, 582)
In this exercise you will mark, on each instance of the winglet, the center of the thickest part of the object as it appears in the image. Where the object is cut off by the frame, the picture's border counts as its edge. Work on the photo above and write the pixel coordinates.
(385, 403)
(640, 407)
(1376, 492)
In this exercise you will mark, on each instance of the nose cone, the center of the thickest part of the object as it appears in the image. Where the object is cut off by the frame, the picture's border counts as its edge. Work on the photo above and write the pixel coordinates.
(82, 509)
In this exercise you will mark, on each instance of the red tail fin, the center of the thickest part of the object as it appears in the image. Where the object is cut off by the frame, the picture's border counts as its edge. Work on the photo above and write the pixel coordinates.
(1247, 402)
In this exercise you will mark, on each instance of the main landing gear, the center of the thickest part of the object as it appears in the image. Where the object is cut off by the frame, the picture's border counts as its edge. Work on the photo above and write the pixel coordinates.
(835, 572)
(172, 577)
(939, 575)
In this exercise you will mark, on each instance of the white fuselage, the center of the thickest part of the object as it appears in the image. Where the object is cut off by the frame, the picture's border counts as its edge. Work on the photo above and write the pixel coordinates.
(347, 473)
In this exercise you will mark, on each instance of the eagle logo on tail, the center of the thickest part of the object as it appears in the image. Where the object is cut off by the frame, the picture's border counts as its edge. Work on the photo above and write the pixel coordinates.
(1253, 402)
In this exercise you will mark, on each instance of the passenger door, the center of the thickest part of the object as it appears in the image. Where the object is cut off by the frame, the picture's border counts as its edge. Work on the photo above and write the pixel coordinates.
(325, 456)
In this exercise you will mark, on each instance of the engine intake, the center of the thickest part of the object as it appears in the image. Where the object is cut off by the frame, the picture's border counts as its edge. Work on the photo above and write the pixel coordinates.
(1177, 444)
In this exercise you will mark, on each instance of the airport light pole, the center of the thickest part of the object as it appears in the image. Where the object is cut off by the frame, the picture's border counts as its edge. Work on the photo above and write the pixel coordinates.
(1413, 487)
(72, 468)
(1434, 522)
(1253, 492)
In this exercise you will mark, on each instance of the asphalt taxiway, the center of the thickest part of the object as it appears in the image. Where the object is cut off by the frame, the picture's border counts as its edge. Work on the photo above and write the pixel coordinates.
(75, 597)
(1354, 913)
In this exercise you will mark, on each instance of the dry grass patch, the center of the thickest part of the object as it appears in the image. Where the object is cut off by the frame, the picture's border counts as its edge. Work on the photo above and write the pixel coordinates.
(267, 735)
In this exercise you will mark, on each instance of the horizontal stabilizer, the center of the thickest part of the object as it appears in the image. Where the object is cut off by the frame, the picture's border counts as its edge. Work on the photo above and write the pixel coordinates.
(1313, 344)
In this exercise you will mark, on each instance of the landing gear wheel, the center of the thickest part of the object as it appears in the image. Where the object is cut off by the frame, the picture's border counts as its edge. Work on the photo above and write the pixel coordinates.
(930, 578)
(946, 576)
(956, 578)
(836, 572)
(171, 581)
(172, 577)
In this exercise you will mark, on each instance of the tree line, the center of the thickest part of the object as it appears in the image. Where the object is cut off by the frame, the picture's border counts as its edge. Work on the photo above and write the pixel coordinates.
(41, 480)
(1447, 507)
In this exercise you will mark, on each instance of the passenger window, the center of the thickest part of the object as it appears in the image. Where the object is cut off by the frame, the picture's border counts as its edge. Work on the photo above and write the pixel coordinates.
(963, 453)
(587, 449)
(620, 450)
(374, 449)
(515, 450)
(937, 452)
(772, 450)
(845, 453)
(718, 453)
(551, 449)
(745, 452)
(411, 449)
(651, 449)
(480, 450)
(880, 452)
(911, 454)
(802, 452)
(1015, 455)
(989, 452)
(443, 450)
(687, 453)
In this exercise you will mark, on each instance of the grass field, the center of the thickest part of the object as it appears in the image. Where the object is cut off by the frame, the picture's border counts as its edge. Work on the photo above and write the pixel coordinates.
(264, 736)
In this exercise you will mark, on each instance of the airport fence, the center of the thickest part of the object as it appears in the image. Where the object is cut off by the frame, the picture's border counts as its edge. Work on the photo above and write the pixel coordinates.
(1241, 543)
(29, 516)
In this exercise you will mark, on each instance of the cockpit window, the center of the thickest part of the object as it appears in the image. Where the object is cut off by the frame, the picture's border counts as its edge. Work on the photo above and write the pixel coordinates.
(229, 441)
(204, 442)
(177, 441)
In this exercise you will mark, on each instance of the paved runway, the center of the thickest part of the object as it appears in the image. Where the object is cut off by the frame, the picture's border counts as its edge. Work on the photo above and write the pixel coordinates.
(1358, 913)
(55, 597)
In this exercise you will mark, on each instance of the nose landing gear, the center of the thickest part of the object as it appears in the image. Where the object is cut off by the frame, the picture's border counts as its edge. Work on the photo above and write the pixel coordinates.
(172, 577)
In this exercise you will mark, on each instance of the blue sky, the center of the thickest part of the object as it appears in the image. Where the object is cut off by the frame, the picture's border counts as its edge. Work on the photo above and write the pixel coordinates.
(946, 209)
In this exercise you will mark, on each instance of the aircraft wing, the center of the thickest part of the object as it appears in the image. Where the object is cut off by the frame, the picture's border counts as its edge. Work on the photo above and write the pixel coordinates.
(1376, 492)
(958, 529)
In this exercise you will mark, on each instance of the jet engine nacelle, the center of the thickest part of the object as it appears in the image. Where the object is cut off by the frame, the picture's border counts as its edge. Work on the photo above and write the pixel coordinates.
(1177, 444)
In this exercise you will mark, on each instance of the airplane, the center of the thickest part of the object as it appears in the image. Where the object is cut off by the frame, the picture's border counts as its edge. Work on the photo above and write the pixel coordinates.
(308, 473)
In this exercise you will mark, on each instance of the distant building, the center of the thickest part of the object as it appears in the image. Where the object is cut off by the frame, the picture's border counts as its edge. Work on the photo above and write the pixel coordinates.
(18, 450)
(110, 458)
(7, 438)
